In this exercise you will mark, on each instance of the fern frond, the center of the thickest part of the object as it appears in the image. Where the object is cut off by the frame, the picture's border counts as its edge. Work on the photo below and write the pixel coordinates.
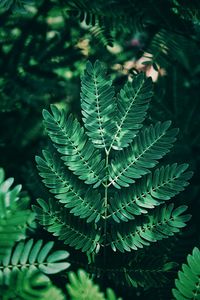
(82, 202)
(149, 192)
(98, 104)
(78, 152)
(151, 144)
(14, 214)
(188, 282)
(30, 255)
(109, 18)
(82, 287)
(164, 222)
(18, 6)
(148, 271)
(80, 10)
(111, 130)
(30, 285)
(132, 104)
(72, 231)
(103, 35)
(167, 47)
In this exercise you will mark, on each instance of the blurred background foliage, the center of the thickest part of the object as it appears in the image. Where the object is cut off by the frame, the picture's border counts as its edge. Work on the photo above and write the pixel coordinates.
(44, 46)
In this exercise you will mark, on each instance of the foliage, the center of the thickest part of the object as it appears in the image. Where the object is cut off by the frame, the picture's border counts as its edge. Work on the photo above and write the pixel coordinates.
(187, 284)
(30, 285)
(33, 285)
(18, 6)
(81, 287)
(44, 46)
(105, 194)
(14, 214)
(22, 268)
(30, 255)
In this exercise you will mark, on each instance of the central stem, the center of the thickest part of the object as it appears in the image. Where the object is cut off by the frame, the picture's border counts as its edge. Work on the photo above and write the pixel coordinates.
(106, 203)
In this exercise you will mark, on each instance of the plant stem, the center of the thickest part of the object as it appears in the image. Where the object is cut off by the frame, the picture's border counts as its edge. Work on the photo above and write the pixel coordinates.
(106, 203)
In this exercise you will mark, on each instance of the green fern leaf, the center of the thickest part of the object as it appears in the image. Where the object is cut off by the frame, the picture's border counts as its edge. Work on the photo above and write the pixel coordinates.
(133, 102)
(188, 282)
(143, 269)
(151, 191)
(150, 145)
(30, 255)
(74, 233)
(30, 285)
(78, 152)
(85, 218)
(82, 287)
(167, 47)
(98, 104)
(82, 202)
(164, 222)
(13, 214)
(17, 6)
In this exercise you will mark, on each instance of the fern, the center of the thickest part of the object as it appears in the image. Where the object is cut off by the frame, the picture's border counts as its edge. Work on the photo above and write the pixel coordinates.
(98, 105)
(33, 256)
(149, 271)
(163, 223)
(106, 194)
(188, 283)
(167, 47)
(82, 287)
(18, 6)
(110, 18)
(30, 285)
(14, 214)
(132, 103)
(76, 234)
(102, 35)
(82, 201)
(151, 191)
(71, 141)
(151, 144)
(33, 285)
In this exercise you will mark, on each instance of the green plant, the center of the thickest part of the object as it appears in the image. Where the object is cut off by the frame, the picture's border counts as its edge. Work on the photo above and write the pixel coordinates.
(188, 282)
(14, 220)
(30, 255)
(18, 6)
(18, 260)
(81, 287)
(22, 266)
(14, 214)
(117, 201)
(30, 285)
(33, 285)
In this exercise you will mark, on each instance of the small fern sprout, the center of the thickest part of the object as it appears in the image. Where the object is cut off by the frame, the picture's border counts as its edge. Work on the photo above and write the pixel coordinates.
(106, 191)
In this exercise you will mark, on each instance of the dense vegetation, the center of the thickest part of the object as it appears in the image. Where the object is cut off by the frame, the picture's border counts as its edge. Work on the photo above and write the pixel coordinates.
(100, 123)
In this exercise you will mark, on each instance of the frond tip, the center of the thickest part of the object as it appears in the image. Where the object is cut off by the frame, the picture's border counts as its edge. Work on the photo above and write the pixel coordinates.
(98, 104)
(132, 104)
(70, 140)
(188, 282)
